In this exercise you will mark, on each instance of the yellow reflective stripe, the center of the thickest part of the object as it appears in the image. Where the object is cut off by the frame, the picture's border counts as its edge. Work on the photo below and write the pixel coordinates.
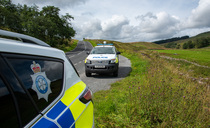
(77, 108)
(85, 60)
(86, 119)
(116, 60)
(72, 93)
(83, 115)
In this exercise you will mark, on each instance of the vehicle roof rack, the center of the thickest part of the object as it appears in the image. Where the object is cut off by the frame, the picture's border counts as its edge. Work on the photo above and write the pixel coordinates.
(23, 38)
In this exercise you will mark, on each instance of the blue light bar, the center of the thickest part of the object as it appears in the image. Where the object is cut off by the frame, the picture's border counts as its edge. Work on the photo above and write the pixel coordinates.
(103, 44)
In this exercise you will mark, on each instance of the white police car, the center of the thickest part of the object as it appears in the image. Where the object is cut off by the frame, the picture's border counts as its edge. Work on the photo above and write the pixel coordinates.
(39, 87)
(102, 59)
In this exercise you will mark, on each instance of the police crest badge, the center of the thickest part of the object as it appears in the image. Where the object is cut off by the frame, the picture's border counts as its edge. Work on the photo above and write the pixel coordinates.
(41, 84)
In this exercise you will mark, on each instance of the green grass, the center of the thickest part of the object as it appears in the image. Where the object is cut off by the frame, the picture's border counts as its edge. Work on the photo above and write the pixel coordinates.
(111, 106)
(147, 45)
(94, 42)
(200, 56)
(155, 94)
(71, 45)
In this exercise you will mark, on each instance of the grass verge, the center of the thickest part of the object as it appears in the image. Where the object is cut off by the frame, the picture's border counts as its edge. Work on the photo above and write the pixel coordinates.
(71, 45)
(155, 94)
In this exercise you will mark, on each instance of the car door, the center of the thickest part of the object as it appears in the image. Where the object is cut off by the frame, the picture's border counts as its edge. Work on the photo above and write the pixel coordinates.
(34, 84)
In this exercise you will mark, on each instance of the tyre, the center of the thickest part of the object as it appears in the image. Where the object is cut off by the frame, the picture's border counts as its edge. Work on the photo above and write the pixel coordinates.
(115, 74)
(88, 74)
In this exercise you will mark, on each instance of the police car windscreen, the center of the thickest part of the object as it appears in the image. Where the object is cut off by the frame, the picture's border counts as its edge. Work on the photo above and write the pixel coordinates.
(103, 50)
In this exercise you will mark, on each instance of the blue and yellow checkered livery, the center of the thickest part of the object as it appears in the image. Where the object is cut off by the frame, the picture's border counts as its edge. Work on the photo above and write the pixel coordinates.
(69, 112)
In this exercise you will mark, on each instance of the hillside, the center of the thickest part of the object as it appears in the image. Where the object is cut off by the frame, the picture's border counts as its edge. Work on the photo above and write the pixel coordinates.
(134, 45)
(201, 35)
(198, 41)
(205, 34)
(171, 40)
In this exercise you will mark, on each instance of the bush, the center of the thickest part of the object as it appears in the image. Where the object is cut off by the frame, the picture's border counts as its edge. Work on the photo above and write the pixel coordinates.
(202, 42)
(185, 46)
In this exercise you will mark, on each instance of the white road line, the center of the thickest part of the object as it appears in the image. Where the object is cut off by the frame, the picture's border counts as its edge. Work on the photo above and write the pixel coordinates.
(72, 56)
(80, 53)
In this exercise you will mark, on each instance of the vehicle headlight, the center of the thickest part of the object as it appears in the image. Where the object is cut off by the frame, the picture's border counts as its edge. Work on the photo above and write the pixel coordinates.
(87, 61)
(113, 61)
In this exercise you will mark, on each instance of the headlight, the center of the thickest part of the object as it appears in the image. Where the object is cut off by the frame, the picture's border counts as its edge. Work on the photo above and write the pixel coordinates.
(113, 61)
(87, 61)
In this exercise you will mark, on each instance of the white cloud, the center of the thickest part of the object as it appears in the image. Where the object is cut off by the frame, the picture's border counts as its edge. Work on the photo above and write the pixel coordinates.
(109, 29)
(199, 16)
(91, 29)
(160, 25)
(136, 20)
(112, 28)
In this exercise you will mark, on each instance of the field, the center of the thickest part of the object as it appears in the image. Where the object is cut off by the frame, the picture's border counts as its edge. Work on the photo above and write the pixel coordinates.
(200, 56)
(157, 93)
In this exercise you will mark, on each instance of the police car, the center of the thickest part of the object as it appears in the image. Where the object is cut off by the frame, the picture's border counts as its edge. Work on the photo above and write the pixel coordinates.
(39, 86)
(102, 59)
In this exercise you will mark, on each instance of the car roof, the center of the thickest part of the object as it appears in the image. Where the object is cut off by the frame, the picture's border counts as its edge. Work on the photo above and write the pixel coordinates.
(23, 38)
(14, 46)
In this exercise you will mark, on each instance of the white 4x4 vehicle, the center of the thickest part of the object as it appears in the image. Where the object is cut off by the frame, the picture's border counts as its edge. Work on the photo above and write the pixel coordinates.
(39, 86)
(102, 59)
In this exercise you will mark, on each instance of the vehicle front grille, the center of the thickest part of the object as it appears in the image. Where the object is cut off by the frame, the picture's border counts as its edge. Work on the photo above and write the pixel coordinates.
(100, 62)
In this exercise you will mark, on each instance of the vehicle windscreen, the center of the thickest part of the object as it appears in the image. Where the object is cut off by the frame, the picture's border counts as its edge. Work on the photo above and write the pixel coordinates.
(103, 50)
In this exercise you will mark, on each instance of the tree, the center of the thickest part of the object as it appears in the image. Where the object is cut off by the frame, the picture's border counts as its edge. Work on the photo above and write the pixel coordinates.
(66, 31)
(190, 44)
(8, 16)
(28, 15)
(51, 21)
(46, 24)
(202, 42)
(185, 46)
(57, 27)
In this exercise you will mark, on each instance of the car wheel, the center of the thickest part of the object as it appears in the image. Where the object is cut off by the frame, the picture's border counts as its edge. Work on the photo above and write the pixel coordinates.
(88, 74)
(115, 74)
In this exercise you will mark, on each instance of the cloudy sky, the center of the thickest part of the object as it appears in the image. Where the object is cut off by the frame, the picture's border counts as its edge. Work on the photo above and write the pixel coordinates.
(133, 20)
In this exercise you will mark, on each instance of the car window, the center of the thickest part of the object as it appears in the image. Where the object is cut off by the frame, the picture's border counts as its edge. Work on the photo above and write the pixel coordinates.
(41, 77)
(8, 116)
(103, 50)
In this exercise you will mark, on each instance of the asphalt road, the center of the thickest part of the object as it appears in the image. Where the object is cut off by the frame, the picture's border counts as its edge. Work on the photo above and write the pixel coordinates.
(96, 82)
